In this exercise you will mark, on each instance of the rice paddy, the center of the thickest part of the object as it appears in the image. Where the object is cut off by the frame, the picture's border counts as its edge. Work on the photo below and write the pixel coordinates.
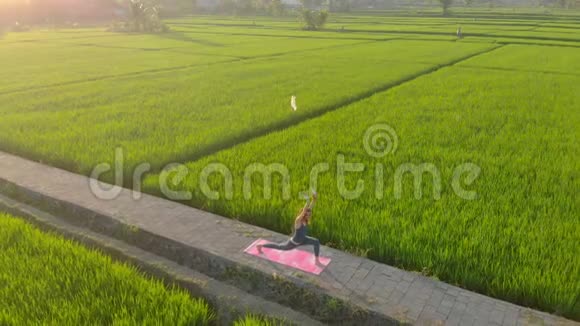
(205, 108)
(217, 89)
(52, 281)
(508, 134)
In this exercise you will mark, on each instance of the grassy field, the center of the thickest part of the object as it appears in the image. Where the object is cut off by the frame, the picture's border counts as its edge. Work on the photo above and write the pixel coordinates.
(183, 114)
(51, 281)
(528, 58)
(217, 89)
(252, 320)
(135, 54)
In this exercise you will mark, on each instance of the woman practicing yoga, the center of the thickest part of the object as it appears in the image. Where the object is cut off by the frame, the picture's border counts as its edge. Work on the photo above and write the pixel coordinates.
(299, 237)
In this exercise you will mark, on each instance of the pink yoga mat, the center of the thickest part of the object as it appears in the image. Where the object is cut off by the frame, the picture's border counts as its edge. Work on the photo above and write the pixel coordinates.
(296, 258)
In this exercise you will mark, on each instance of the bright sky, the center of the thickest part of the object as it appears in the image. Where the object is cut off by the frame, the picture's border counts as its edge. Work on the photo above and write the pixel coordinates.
(13, 1)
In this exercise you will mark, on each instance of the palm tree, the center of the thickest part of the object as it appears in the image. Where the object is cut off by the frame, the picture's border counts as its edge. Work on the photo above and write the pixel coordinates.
(446, 4)
(145, 16)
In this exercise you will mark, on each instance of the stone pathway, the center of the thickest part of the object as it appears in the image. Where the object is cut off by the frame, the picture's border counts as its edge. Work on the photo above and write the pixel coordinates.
(401, 295)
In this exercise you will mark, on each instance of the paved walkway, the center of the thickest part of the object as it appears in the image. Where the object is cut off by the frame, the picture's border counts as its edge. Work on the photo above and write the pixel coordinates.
(404, 296)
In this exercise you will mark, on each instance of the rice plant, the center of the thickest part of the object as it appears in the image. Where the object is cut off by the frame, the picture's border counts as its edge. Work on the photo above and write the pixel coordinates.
(49, 280)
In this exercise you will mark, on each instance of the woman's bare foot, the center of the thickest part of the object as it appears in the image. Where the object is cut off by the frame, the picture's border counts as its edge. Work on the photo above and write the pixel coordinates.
(259, 247)
(318, 262)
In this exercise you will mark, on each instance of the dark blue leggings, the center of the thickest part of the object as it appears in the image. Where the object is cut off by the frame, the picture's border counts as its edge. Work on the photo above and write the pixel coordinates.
(289, 245)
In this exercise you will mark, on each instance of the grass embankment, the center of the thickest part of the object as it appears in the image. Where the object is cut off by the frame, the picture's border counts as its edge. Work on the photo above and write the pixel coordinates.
(45, 279)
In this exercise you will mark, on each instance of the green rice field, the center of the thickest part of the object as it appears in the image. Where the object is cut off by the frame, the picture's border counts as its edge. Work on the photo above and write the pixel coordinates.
(217, 89)
(252, 320)
(47, 280)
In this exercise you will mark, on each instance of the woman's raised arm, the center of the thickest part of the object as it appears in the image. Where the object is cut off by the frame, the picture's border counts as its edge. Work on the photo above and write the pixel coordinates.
(312, 200)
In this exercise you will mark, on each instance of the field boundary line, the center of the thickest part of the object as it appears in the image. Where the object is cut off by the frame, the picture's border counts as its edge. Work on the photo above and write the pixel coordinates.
(391, 32)
(485, 35)
(176, 49)
(176, 68)
(149, 49)
(278, 126)
(301, 36)
(66, 38)
(552, 72)
(491, 38)
(130, 74)
(540, 44)
(280, 54)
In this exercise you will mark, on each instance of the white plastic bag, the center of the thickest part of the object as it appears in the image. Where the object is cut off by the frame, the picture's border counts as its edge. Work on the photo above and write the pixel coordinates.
(293, 103)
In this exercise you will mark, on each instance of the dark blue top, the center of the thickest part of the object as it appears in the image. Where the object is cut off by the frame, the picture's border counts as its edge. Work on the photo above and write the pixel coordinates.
(300, 234)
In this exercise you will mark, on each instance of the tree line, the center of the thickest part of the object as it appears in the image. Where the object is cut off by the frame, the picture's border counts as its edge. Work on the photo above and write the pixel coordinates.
(313, 12)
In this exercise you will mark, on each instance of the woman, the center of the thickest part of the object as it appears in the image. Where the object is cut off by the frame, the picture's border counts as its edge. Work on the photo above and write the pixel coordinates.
(299, 237)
